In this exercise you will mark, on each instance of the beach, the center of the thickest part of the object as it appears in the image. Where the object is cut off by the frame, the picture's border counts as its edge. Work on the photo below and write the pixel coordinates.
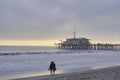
(109, 73)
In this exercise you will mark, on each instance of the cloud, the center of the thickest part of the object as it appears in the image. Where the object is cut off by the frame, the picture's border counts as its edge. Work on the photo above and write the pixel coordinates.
(55, 19)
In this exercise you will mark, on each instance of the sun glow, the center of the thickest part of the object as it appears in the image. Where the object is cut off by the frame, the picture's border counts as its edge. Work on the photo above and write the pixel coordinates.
(104, 42)
(42, 42)
(28, 42)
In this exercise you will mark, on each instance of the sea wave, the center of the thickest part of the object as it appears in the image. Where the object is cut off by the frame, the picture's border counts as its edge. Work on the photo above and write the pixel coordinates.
(21, 53)
(48, 53)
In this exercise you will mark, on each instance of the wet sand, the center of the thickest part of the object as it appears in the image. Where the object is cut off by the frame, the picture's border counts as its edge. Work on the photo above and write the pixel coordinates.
(27, 75)
(95, 73)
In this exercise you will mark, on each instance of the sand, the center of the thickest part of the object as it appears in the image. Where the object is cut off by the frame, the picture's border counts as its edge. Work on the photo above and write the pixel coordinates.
(109, 73)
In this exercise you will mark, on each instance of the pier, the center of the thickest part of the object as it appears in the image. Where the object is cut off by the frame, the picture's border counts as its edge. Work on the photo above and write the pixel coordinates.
(85, 44)
(98, 46)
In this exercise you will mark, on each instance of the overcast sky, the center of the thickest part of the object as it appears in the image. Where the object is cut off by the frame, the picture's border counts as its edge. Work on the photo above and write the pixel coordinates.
(56, 19)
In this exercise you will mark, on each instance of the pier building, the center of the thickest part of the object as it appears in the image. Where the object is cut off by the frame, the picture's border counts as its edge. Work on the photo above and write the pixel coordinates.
(75, 43)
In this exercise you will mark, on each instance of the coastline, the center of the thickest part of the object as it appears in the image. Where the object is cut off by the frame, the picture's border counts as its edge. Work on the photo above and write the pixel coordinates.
(107, 73)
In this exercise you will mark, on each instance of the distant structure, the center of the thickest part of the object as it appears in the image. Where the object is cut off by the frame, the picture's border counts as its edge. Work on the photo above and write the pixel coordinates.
(75, 43)
(85, 44)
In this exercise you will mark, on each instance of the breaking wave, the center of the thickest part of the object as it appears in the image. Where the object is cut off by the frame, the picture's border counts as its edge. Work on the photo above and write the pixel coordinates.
(35, 53)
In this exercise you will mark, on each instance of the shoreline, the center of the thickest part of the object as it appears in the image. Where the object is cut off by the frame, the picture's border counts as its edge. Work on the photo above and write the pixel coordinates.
(27, 75)
(107, 73)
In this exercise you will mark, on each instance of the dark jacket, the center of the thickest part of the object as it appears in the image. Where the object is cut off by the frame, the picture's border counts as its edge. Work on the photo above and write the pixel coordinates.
(52, 66)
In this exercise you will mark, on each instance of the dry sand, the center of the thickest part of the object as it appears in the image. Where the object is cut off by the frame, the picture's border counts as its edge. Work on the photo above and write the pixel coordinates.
(110, 73)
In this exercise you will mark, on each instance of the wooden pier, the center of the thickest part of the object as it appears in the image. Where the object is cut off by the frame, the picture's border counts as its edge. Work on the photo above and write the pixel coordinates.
(85, 44)
(105, 47)
(89, 46)
(98, 46)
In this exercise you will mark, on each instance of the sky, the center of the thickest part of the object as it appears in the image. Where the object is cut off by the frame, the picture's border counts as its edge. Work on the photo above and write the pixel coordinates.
(45, 22)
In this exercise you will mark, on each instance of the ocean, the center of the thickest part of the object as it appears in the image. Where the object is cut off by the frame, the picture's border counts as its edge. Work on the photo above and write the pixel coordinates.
(28, 59)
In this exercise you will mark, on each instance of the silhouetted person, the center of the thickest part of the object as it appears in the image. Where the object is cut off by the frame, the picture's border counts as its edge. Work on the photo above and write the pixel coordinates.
(52, 68)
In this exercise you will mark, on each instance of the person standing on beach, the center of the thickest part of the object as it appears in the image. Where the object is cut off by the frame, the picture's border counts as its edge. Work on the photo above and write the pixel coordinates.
(52, 68)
